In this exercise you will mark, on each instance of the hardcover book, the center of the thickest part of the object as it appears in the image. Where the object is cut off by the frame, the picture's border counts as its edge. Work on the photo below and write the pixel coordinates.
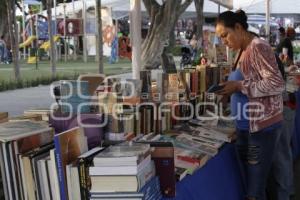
(20, 129)
(68, 146)
(129, 153)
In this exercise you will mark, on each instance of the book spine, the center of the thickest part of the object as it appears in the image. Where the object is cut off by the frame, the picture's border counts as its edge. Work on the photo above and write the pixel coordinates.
(146, 174)
(83, 179)
(60, 170)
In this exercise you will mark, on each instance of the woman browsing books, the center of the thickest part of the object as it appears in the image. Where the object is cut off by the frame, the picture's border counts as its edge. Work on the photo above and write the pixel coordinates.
(256, 87)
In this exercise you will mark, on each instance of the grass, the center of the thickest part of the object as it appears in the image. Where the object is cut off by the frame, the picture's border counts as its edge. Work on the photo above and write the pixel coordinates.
(30, 72)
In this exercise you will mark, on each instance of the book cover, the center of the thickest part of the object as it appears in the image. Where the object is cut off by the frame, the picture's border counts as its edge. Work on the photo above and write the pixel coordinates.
(68, 146)
(20, 129)
(89, 123)
(125, 152)
(3, 117)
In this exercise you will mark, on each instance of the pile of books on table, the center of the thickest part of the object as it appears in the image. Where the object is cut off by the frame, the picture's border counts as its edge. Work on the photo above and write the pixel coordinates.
(124, 171)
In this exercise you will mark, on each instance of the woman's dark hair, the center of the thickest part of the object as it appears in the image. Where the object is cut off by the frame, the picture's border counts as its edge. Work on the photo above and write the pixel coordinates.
(229, 19)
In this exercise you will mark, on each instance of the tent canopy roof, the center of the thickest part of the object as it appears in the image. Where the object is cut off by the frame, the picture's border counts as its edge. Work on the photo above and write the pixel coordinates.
(124, 5)
(276, 6)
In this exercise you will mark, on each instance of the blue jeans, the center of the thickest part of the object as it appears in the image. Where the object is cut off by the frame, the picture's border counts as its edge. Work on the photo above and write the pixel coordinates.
(256, 152)
(2, 51)
(280, 185)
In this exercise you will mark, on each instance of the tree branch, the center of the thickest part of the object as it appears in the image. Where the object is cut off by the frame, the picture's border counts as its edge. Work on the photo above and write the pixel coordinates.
(184, 6)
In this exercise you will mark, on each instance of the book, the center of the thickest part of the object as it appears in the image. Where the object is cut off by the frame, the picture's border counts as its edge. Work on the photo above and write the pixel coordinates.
(152, 190)
(125, 153)
(84, 162)
(180, 173)
(123, 183)
(91, 124)
(68, 146)
(122, 169)
(20, 129)
(191, 156)
(32, 117)
(163, 156)
(3, 117)
(44, 113)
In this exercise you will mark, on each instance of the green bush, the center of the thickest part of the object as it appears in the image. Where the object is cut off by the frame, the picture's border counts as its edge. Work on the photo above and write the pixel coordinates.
(176, 51)
(43, 80)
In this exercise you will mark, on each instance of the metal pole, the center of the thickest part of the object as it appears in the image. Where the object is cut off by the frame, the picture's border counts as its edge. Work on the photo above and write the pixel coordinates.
(55, 27)
(268, 20)
(23, 24)
(84, 32)
(55, 30)
(74, 37)
(135, 37)
(65, 34)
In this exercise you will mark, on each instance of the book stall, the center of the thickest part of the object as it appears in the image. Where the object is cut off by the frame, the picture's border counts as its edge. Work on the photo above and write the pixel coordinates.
(155, 138)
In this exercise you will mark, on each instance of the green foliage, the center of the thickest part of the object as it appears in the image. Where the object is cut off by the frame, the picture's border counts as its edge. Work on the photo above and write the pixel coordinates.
(197, 58)
(296, 50)
(43, 80)
(176, 51)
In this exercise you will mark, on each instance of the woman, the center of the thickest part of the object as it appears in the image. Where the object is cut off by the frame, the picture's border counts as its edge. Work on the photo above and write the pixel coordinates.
(256, 87)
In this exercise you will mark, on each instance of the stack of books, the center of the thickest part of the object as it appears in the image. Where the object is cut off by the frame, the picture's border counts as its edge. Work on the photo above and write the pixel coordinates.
(25, 161)
(123, 171)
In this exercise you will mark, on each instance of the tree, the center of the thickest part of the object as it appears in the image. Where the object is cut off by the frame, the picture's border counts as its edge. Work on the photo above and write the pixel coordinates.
(99, 37)
(3, 19)
(13, 33)
(52, 45)
(199, 4)
(162, 18)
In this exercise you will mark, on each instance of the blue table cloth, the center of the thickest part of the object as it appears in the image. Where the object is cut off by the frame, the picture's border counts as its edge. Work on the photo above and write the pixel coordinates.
(219, 179)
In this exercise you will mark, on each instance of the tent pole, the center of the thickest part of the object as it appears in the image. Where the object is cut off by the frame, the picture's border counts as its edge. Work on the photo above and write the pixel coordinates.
(268, 20)
(84, 40)
(23, 24)
(136, 37)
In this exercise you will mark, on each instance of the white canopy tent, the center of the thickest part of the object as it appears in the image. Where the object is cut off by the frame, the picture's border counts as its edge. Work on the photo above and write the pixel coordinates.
(124, 5)
(276, 6)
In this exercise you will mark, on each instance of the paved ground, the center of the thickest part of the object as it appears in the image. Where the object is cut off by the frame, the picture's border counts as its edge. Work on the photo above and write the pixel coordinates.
(16, 101)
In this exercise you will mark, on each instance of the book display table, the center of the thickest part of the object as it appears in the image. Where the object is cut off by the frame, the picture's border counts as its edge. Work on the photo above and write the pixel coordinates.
(219, 178)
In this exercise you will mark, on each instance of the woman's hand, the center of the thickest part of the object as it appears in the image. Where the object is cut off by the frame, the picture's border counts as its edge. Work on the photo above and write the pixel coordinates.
(229, 88)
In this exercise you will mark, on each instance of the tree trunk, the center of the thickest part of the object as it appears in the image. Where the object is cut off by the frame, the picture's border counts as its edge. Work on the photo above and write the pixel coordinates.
(99, 38)
(52, 44)
(163, 18)
(3, 19)
(199, 4)
(13, 32)
(167, 61)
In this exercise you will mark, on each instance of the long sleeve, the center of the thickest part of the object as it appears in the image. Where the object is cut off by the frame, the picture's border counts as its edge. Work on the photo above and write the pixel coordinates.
(270, 81)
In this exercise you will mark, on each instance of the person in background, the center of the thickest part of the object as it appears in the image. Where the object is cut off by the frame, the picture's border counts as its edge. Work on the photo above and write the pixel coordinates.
(2, 49)
(194, 43)
(285, 48)
(256, 87)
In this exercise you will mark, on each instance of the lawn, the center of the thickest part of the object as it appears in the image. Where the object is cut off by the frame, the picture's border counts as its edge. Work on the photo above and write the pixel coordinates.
(30, 72)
